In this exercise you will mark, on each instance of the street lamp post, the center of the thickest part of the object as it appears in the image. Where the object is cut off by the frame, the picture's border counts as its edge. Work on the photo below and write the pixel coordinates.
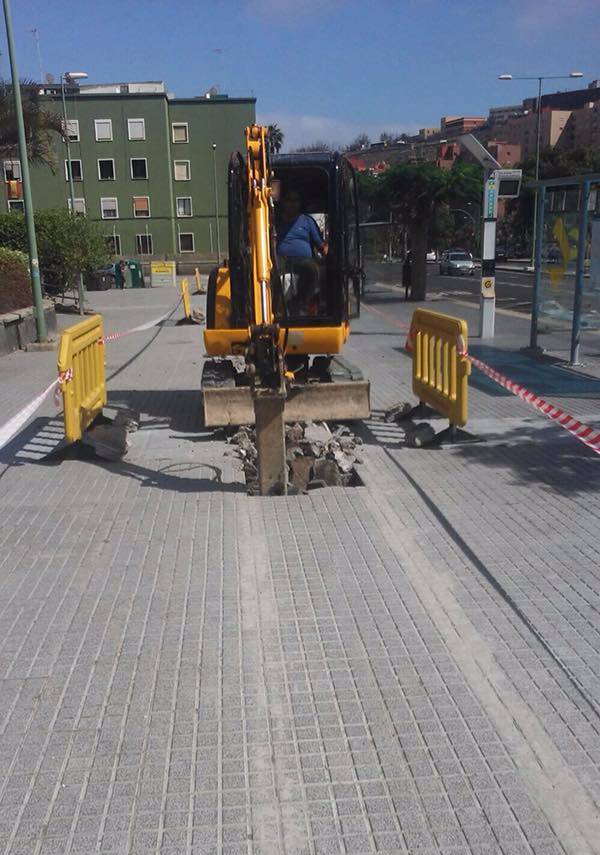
(540, 79)
(34, 264)
(470, 217)
(69, 76)
(214, 150)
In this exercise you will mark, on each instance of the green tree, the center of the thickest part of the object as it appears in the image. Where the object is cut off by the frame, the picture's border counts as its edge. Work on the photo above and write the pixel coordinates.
(41, 125)
(275, 138)
(318, 145)
(66, 244)
(416, 194)
(361, 141)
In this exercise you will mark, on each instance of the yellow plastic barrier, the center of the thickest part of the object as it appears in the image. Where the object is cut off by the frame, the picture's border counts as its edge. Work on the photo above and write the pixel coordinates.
(83, 378)
(199, 289)
(440, 366)
(185, 296)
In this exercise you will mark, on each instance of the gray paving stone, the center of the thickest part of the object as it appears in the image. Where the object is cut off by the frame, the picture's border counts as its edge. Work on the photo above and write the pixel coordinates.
(348, 671)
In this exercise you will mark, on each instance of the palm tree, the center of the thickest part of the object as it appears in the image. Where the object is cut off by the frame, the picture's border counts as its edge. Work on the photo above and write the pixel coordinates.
(275, 138)
(40, 124)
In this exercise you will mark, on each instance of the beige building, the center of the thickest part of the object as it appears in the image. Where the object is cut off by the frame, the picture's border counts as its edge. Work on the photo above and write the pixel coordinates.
(582, 128)
(521, 130)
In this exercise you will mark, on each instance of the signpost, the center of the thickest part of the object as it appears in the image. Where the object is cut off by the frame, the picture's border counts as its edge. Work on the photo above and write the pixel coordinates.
(498, 183)
(163, 273)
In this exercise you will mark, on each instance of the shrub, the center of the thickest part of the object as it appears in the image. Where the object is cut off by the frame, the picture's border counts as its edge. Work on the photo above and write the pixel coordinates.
(15, 283)
(66, 245)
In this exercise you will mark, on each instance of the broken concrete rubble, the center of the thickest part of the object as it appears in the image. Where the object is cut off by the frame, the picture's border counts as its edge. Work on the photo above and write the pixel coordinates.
(316, 456)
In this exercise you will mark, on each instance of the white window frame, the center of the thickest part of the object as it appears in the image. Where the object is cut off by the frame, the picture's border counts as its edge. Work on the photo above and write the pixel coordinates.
(193, 249)
(141, 216)
(19, 203)
(131, 159)
(177, 200)
(78, 199)
(102, 121)
(72, 123)
(134, 139)
(189, 170)
(74, 160)
(117, 239)
(114, 171)
(116, 207)
(187, 133)
(146, 236)
(12, 166)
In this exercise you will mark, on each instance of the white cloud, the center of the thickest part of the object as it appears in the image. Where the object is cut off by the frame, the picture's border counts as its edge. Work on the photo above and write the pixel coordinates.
(305, 129)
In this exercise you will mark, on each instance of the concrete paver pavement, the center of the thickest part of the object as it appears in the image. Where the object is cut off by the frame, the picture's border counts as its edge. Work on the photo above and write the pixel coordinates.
(408, 666)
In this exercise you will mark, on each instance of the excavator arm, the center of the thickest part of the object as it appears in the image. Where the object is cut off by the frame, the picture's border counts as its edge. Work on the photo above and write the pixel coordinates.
(264, 356)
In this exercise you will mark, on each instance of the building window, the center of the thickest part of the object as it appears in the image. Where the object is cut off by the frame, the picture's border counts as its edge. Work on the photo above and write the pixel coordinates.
(106, 169)
(12, 170)
(71, 129)
(109, 208)
(76, 170)
(180, 132)
(136, 129)
(143, 244)
(103, 129)
(139, 167)
(16, 205)
(181, 170)
(184, 206)
(186, 242)
(79, 206)
(113, 242)
(141, 206)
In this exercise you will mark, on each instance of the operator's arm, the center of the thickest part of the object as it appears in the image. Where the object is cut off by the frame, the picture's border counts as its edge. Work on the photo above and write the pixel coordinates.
(316, 238)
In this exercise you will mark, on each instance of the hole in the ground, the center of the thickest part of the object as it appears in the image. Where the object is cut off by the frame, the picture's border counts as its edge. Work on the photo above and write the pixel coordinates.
(318, 455)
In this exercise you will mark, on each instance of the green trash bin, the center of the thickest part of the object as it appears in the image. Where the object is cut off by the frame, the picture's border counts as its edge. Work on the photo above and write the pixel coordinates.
(136, 275)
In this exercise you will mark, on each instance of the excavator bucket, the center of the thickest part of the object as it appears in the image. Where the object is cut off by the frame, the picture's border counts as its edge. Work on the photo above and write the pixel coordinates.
(343, 396)
(344, 400)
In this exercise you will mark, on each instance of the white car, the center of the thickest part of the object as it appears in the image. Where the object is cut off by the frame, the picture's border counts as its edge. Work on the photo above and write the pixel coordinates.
(431, 256)
(456, 262)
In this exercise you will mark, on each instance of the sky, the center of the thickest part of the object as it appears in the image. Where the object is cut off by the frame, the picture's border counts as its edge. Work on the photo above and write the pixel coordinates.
(320, 69)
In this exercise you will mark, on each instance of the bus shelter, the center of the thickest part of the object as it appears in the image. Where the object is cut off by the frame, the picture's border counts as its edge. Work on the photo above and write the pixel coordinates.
(567, 259)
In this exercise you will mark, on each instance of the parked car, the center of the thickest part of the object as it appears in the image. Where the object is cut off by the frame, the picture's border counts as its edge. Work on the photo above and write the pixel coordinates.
(102, 279)
(432, 256)
(501, 253)
(456, 262)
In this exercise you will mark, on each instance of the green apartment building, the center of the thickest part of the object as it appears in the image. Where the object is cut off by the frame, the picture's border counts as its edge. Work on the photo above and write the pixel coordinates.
(143, 165)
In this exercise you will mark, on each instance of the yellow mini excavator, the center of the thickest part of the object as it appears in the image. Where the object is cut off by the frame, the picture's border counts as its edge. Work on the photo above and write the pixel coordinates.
(285, 318)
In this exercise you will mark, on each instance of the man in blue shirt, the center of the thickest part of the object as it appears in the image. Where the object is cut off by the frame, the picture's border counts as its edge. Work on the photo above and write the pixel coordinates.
(298, 236)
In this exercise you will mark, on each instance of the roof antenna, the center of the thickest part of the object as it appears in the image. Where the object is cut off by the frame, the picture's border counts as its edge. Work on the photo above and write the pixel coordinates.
(36, 35)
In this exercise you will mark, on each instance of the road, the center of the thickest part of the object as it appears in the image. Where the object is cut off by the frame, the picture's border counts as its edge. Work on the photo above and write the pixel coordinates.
(513, 287)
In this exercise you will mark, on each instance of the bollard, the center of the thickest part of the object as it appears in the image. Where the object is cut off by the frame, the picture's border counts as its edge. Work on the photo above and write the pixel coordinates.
(185, 296)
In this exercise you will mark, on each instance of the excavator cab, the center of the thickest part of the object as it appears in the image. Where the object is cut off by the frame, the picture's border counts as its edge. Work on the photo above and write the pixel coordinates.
(313, 301)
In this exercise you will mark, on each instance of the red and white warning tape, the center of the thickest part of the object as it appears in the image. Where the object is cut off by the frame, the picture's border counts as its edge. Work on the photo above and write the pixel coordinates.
(14, 425)
(141, 328)
(584, 433)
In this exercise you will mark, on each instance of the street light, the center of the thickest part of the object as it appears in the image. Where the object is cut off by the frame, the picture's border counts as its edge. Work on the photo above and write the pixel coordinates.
(34, 264)
(69, 77)
(214, 150)
(539, 79)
